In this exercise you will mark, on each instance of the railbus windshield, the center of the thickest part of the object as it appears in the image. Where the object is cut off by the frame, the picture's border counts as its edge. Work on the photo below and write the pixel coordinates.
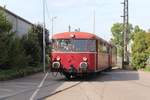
(73, 45)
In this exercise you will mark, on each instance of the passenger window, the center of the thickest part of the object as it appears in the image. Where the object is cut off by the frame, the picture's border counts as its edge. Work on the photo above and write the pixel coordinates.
(104, 48)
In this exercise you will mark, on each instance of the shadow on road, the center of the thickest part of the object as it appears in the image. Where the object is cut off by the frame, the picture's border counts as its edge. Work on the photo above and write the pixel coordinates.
(114, 75)
(22, 89)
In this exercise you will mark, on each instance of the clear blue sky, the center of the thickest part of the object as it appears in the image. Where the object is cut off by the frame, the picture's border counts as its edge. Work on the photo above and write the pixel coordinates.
(79, 13)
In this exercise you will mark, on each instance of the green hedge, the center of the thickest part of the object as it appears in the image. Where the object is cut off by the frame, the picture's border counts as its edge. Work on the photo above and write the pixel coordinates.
(17, 73)
(147, 69)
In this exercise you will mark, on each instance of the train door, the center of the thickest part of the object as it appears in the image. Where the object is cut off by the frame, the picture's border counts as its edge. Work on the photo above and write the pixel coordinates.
(110, 56)
(100, 57)
(96, 60)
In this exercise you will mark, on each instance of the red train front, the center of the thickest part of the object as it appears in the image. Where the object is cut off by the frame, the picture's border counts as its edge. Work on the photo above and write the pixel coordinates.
(75, 53)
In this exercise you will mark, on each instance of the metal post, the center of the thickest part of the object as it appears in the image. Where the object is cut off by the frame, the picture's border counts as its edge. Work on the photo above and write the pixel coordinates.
(125, 57)
(44, 36)
(53, 24)
(127, 30)
(69, 28)
(93, 21)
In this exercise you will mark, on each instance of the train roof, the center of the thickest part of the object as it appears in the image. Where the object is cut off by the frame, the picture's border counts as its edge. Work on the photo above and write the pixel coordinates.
(77, 35)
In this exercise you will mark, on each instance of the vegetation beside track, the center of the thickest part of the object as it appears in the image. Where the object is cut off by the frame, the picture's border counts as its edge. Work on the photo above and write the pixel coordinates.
(13, 73)
(139, 39)
(20, 56)
(147, 69)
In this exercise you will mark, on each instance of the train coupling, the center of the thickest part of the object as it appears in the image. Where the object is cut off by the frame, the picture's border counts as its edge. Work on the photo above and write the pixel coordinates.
(72, 70)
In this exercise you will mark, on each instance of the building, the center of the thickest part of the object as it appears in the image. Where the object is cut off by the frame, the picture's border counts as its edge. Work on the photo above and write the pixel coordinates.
(19, 25)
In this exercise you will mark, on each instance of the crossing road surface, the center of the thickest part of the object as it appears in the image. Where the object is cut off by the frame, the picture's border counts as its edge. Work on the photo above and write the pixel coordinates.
(115, 85)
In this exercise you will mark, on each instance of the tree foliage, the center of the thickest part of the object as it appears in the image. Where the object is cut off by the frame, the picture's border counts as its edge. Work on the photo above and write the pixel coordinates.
(117, 32)
(39, 30)
(19, 52)
(33, 44)
(32, 48)
(17, 57)
(11, 50)
(5, 27)
(136, 30)
(148, 41)
(139, 49)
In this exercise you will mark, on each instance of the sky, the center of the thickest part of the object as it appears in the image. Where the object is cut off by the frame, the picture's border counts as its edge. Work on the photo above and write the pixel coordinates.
(79, 14)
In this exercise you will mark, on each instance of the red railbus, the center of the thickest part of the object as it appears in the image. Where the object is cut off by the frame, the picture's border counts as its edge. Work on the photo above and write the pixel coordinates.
(78, 53)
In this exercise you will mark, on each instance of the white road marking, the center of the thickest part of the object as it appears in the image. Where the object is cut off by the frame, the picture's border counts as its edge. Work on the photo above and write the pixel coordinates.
(6, 90)
(38, 88)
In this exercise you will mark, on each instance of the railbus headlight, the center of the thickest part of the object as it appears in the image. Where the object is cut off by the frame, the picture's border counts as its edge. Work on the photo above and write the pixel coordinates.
(84, 65)
(58, 58)
(85, 59)
(56, 65)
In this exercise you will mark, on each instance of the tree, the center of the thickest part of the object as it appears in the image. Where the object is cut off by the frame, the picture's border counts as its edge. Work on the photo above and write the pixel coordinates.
(33, 44)
(136, 30)
(17, 56)
(139, 49)
(18, 52)
(148, 41)
(32, 48)
(117, 32)
(5, 27)
(39, 30)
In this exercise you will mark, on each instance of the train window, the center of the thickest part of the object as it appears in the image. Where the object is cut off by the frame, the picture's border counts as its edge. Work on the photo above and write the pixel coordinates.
(104, 48)
(74, 45)
(100, 47)
(110, 50)
(114, 50)
(107, 51)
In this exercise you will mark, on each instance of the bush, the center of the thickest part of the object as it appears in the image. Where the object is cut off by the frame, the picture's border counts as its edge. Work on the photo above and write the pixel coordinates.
(17, 72)
(147, 69)
(32, 49)
(139, 60)
(5, 27)
(17, 56)
(139, 50)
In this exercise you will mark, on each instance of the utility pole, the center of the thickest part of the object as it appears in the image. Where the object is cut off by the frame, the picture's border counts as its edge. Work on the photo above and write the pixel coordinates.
(94, 21)
(53, 24)
(69, 28)
(125, 16)
(44, 36)
(79, 29)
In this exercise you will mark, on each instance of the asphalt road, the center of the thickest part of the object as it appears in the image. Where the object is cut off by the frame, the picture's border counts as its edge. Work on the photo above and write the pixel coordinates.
(23, 89)
(115, 85)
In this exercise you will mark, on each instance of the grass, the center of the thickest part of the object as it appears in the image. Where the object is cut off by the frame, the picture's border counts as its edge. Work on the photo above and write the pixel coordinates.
(147, 69)
(13, 73)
